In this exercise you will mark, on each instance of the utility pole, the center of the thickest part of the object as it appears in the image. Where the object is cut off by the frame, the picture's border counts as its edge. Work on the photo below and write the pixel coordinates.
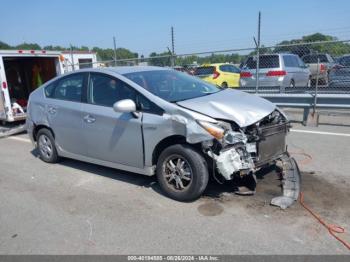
(172, 47)
(71, 56)
(115, 51)
(257, 43)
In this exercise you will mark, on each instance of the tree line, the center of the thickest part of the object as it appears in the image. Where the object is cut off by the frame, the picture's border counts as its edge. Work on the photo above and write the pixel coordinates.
(296, 46)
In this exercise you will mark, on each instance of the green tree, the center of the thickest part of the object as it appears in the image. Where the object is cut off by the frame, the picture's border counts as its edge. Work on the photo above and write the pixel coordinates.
(3, 45)
(28, 46)
(160, 61)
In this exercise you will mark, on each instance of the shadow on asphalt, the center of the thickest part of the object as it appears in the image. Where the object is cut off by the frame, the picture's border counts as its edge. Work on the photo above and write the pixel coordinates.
(329, 199)
(214, 190)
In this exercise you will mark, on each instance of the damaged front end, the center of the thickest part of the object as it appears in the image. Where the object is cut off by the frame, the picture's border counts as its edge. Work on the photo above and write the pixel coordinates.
(243, 151)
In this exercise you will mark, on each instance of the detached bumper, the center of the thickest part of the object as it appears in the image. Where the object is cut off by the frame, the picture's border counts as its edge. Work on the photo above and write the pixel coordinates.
(291, 183)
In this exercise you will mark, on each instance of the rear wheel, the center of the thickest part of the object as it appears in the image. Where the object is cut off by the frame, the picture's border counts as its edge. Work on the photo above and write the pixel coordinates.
(224, 85)
(292, 83)
(46, 146)
(182, 173)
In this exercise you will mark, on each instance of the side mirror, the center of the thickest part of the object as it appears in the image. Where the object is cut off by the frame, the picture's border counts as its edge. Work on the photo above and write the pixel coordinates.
(125, 106)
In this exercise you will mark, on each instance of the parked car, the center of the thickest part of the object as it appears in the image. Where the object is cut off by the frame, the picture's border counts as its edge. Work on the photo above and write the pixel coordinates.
(276, 70)
(153, 120)
(339, 75)
(324, 61)
(221, 74)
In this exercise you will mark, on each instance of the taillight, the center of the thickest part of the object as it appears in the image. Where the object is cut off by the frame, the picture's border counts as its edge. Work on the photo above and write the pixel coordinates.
(323, 68)
(276, 73)
(216, 74)
(246, 74)
(4, 85)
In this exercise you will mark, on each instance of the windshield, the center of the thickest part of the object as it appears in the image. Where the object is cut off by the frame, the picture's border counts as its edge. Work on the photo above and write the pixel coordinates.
(172, 85)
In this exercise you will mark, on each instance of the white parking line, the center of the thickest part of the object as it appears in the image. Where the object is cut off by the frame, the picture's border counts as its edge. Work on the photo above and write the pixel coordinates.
(22, 139)
(319, 132)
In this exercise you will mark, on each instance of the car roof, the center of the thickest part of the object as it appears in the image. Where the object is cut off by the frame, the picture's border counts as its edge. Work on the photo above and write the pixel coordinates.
(214, 64)
(121, 70)
(135, 69)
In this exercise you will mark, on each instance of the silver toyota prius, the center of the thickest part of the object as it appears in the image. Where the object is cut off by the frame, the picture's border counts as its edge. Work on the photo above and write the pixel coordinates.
(158, 121)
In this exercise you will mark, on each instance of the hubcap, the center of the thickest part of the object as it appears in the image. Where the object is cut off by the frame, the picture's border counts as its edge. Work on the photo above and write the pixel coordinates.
(45, 146)
(177, 172)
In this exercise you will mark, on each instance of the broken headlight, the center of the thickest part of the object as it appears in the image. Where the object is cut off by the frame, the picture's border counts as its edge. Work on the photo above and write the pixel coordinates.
(213, 129)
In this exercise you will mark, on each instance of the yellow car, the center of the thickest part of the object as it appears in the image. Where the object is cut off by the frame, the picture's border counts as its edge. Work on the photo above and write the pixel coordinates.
(221, 74)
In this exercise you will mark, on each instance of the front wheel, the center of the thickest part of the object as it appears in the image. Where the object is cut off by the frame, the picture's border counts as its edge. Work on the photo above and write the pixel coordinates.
(182, 172)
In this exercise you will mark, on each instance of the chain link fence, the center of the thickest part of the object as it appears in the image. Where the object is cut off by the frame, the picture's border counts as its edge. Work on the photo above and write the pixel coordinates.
(304, 67)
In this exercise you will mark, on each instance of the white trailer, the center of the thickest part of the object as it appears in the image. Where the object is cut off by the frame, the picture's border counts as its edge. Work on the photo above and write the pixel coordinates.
(78, 60)
(21, 72)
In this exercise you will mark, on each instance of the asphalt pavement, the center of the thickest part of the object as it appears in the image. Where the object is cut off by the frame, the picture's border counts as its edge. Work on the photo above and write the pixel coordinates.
(80, 208)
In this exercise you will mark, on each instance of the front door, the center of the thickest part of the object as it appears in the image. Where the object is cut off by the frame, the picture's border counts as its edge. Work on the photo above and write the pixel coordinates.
(111, 136)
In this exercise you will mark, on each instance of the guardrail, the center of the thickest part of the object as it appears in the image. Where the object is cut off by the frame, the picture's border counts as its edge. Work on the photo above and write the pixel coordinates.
(309, 101)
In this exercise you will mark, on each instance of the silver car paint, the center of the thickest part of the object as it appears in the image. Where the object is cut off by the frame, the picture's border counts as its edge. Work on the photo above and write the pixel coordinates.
(77, 139)
(234, 105)
(298, 74)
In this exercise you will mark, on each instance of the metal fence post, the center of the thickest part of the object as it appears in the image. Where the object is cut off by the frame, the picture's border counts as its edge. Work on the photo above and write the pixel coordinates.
(316, 86)
(258, 56)
(71, 57)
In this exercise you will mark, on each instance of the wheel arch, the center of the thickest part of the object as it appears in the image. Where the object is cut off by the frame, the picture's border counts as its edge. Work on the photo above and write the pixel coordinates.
(39, 127)
(169, 141)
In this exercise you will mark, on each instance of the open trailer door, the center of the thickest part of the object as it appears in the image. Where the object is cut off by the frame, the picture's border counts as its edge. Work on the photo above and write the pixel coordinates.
(2, 101)
(2, 106)
(24, 72)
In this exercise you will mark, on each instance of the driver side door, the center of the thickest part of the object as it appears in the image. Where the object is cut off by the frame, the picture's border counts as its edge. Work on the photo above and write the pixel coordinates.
(111, 136)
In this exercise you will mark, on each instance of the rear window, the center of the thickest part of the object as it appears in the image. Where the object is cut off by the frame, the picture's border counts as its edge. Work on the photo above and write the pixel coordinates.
(266, 61)
(312, 59)
(204, 70)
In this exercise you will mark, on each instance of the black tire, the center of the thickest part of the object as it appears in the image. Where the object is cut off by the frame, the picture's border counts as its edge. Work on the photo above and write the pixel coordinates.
(194, 163)
(292, 84)
(224, 85)
(46, 146)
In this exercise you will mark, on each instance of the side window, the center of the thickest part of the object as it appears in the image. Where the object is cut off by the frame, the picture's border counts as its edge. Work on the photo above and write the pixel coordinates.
(295, 61)
(50, 90)
(233, 69)
(105, 90)
(300, 62)
(69, 88)
(288, 62)
(224, 68)
(147, 106)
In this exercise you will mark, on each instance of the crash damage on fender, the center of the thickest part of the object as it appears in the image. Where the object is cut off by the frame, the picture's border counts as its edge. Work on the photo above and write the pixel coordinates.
(250, 134)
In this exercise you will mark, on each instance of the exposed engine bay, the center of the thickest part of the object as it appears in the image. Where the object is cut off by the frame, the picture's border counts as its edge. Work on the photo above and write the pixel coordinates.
(243, 151)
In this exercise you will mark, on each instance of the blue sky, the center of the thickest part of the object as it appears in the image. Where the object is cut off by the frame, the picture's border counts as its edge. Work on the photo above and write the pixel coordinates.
(144, 26)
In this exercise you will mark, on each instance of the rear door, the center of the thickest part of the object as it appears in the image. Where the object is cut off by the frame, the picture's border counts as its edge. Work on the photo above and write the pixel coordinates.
(303, 72)
(64, 112)
(111, 136)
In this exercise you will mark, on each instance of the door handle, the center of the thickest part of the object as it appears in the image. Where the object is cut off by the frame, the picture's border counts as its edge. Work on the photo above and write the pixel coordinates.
(89, 119)
(52, 110)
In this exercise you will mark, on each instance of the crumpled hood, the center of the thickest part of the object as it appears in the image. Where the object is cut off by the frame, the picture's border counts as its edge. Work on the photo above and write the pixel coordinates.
(242, 108)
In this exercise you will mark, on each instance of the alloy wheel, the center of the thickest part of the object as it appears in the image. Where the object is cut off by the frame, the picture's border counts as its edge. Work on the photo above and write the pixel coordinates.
(177, 172)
